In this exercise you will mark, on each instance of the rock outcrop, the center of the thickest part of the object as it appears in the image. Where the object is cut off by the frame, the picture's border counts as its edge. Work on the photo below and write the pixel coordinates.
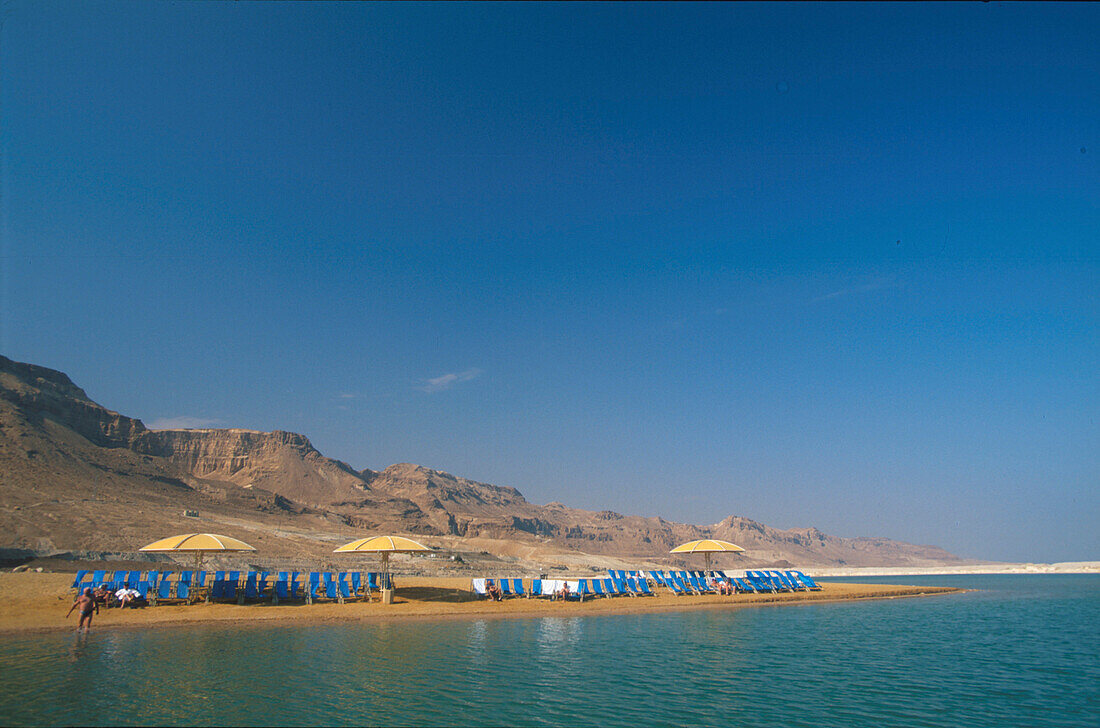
(74, 474)
(280, 462)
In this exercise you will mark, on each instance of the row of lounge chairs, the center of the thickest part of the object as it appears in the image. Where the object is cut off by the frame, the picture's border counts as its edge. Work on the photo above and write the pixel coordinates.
(760, 581)
(634, 583)
(578, 589)
(190, 586)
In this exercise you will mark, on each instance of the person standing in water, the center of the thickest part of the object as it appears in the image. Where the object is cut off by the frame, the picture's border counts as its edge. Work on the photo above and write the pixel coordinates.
(87, 606)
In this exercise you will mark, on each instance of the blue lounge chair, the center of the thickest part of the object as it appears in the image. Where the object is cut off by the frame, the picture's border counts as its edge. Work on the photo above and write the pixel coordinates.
(806, 581)
(225, 585)
(741, 585)
(694, 583)
(778, 583)
(343, 586)
(677, 580)
(756, 584)
(517, 588)
(676, 587)
(295, 587)
(778, 576)
(332, 588)
(583, 590)
(153, 578)
(117, 581)
(98, 578)
(286, 587)
(763, 582)
(691, 581)
(79, 578)
(217, 587)
(250, 589)
(641, 587)
(357, 582)
(164, 589)
(343, 590)
(132, 579)
(313, 583)
(505, 587)
(536, 588)
(597, 588)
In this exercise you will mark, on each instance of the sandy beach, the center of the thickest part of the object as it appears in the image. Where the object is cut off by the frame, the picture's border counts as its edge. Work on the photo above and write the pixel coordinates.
(39, 601)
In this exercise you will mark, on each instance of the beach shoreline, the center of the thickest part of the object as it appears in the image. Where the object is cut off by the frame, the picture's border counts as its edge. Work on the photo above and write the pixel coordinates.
(1065, 567)
(37, 603)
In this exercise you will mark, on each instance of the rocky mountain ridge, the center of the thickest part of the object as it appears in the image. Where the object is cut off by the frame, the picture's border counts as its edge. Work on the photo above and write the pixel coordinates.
(57, 447)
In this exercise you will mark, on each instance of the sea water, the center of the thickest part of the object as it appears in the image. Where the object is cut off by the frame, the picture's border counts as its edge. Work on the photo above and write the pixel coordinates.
(1020, 651)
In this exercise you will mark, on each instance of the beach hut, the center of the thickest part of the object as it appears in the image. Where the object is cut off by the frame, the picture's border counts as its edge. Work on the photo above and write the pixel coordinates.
(383, 545)
(707, 546)
(199, 544)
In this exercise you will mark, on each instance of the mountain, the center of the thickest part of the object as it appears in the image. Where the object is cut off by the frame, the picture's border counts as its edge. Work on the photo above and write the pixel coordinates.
(75, 475)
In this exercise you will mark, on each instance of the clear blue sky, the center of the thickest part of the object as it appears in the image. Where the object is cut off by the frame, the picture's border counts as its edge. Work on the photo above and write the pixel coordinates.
(812, 264)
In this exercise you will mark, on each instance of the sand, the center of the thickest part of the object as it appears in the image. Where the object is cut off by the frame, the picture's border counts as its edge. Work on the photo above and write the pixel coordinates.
(38, 602)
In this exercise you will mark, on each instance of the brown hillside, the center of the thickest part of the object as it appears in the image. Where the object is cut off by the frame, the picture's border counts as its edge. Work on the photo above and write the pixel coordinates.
(74, 475)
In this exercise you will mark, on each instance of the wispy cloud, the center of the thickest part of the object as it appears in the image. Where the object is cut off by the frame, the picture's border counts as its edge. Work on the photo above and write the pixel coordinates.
(853, 290)
(182, 423)
(347, 395)
(446, 381)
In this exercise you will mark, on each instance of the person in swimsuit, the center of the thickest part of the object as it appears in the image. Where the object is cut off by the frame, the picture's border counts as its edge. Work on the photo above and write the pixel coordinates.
(87, 606)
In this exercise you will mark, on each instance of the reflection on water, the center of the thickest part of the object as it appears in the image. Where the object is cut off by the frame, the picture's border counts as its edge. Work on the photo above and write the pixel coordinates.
(1021, 652)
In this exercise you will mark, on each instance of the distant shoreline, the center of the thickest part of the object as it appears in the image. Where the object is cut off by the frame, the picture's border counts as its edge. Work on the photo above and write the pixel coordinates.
(37, 603)
(1065, 567)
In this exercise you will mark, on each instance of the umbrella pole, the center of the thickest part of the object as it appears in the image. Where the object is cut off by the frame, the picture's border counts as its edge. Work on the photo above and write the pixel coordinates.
(706, 559)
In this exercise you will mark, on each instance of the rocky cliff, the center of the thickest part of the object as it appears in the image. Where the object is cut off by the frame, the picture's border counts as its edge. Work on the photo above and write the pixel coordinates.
(281, 462)
(75, 474)
(45, 394)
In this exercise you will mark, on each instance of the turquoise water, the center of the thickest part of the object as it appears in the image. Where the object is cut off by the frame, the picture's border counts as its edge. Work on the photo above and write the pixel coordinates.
(1024, 651)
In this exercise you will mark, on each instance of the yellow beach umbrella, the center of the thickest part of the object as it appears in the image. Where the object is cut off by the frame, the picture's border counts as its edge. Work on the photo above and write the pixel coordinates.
(198, 544)
(384, 545)
(707, 546)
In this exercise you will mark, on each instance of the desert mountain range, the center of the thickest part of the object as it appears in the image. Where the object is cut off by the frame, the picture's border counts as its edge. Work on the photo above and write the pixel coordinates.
(77, 476)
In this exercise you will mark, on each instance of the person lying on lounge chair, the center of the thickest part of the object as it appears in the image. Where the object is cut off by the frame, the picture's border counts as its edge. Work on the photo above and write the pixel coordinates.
(494, 591)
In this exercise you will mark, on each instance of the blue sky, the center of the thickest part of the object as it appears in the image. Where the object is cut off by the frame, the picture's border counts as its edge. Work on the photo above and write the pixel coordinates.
(829, 265)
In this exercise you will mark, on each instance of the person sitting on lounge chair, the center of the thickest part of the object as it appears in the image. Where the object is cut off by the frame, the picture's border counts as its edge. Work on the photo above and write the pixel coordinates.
(565, 590)
(494, 591)
(127, 597)
(101, 594)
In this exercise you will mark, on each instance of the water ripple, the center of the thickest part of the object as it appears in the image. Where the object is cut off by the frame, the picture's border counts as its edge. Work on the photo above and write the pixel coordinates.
(1024, 651)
